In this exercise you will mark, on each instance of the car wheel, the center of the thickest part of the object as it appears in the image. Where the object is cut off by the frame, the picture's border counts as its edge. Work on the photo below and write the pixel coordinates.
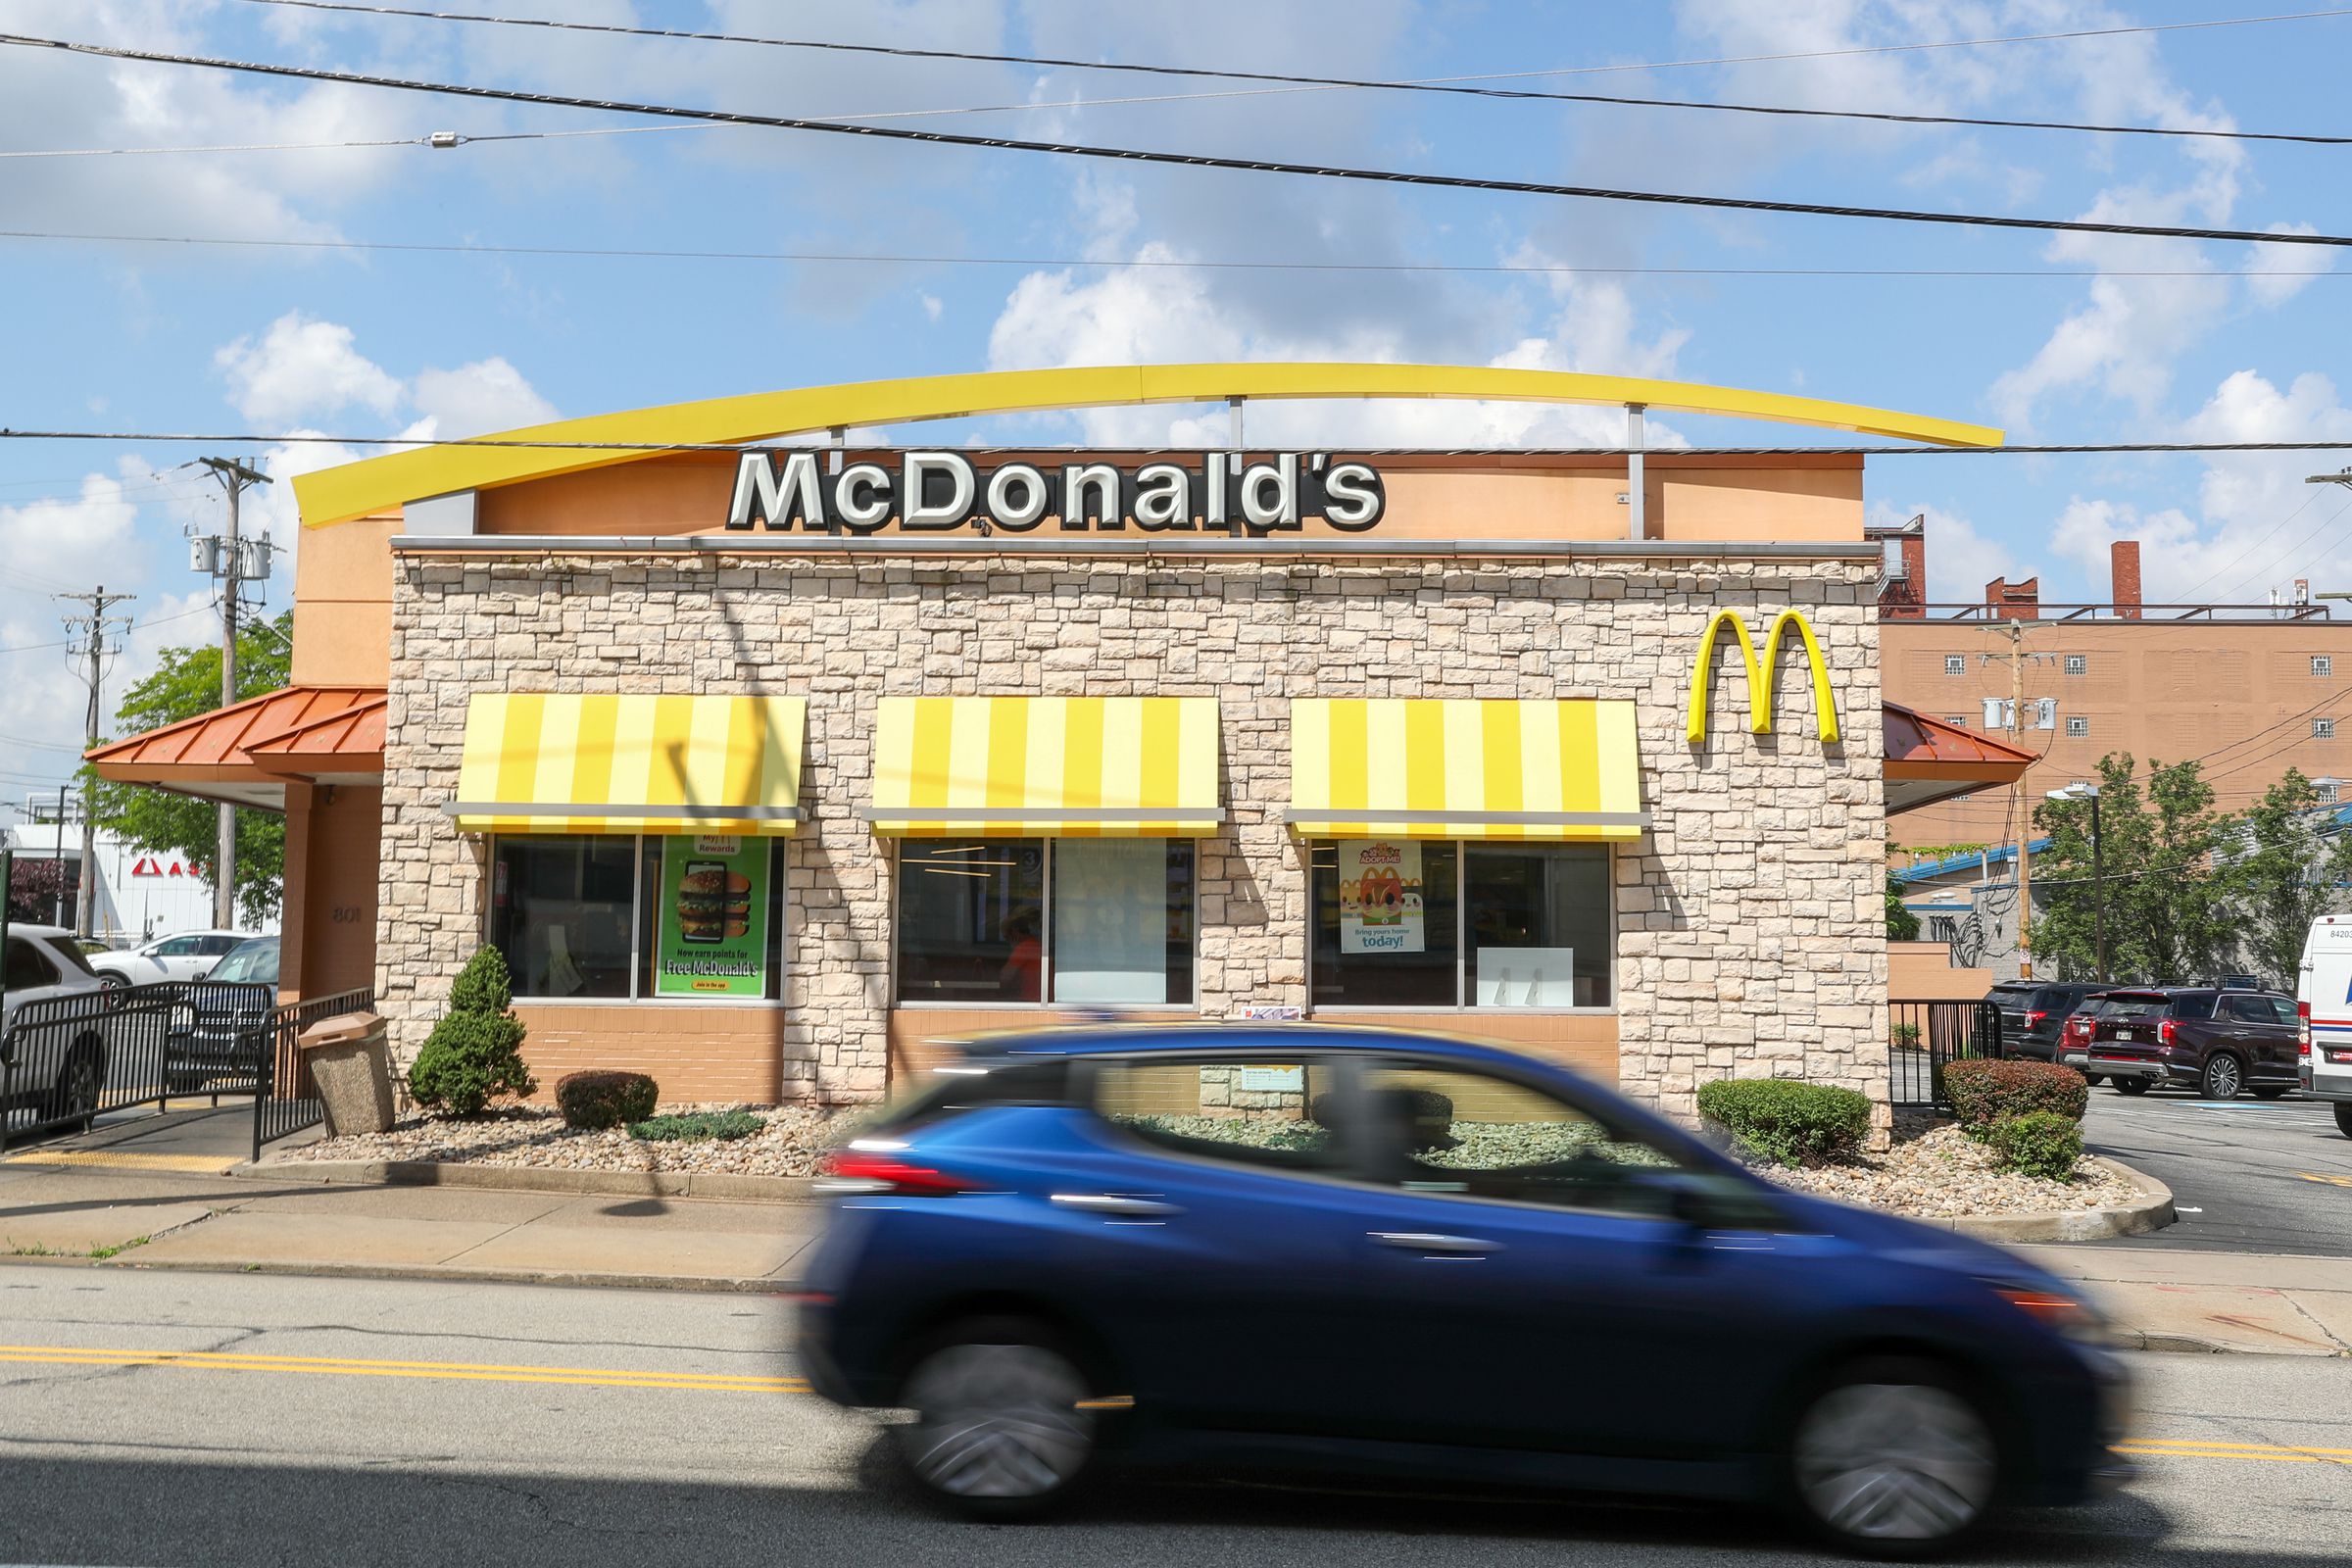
(2223, 1076)
(1001, 1427)
(2344, 1118)
(1892, 1460)
(74, 1102)
(2094, 1079)
(2133, 1086)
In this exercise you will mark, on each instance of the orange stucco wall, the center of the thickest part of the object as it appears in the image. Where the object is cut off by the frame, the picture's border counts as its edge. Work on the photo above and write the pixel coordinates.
(332, 846)
(343, 603)
(1923, 971)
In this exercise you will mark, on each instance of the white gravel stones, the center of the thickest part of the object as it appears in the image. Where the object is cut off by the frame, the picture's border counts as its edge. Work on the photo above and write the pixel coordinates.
(1936, 1171)
(789, 1145)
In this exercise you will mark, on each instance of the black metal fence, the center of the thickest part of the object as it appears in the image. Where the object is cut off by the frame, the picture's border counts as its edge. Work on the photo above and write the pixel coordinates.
(1923, 1037)
(287, 1101)
(65, 1059)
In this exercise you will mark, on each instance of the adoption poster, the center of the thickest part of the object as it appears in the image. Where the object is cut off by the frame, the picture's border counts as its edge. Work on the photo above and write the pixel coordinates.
(1380, 896)
(713, 929)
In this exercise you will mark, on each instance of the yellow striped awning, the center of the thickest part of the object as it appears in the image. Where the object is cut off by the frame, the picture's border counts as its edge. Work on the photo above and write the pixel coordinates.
(1040, 766)
(607, 763)
(1446, 768)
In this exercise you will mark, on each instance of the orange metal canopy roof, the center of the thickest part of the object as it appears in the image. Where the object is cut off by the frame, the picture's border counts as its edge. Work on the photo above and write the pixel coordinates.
(245, 754)
(1929, 760)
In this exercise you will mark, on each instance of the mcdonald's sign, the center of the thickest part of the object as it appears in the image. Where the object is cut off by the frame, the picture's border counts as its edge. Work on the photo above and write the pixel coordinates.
(1762, 679)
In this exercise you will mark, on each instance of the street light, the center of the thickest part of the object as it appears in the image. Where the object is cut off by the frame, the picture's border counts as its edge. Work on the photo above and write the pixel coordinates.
(2099, 880)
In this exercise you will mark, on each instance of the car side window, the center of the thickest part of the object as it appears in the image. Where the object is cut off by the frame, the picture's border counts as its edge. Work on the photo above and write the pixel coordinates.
(1445, 1130)
(26, 966)
(2192, 1007)
(215, 946)
(173, 947)
(1273, 1110)
(2282, 1012)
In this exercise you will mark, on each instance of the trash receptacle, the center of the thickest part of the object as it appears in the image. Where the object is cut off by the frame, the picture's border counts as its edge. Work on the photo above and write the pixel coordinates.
(350, 1060)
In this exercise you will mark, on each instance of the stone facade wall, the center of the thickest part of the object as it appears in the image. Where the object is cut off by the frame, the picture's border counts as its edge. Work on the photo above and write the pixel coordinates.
(1750, 927)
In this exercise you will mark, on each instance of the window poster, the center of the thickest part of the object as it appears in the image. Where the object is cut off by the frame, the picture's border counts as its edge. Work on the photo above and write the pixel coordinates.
(1380, 896)
(712, 927)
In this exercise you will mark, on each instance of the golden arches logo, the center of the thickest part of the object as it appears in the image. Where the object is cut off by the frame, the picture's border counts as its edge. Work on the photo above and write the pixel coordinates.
(1761, 679)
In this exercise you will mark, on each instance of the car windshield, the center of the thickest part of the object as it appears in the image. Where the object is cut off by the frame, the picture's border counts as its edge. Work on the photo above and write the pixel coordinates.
(255, 961)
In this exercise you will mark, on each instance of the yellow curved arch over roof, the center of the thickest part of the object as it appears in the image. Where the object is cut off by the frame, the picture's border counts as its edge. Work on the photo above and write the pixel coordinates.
(377, 484)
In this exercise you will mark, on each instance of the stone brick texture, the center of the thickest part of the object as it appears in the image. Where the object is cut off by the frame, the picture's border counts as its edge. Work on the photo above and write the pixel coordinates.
(1751, 934)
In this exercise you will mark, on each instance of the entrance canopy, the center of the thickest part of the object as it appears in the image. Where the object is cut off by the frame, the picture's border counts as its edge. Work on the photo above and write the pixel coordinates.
(1929, 760)
(1456, 769)
(603, 763)
(1046, 766)
(247, 753)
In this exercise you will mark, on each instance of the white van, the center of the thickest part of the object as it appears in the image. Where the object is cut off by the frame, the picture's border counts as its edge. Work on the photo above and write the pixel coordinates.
(2324, 996)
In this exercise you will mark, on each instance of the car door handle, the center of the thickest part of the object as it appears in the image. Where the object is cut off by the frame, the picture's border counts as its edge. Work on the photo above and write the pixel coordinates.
(1436, 1243)
(1117, 1204)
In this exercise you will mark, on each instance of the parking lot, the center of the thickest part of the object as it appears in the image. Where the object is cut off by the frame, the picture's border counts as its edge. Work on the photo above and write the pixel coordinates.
(2247, 1175)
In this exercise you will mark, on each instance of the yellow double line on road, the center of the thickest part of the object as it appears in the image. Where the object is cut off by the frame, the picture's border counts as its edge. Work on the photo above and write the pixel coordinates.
(357, 1367)
(2220, 1448)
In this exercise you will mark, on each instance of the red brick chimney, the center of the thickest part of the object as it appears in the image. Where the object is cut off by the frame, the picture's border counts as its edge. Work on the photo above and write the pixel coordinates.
(2122, 557)
(1903, 578)
(2014, 600)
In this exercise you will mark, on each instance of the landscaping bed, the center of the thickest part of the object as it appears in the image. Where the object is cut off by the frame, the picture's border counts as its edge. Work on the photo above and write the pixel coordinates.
(789, 1144)
(1936, 1171)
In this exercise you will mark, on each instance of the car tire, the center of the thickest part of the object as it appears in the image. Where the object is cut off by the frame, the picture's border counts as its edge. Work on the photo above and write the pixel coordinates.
(113, 981)
(2223, 1077)
(74, 1102)
(2344, 1118)
(1892, 1458)
(2133, 1086)
(1002, 1429)
(2094, 1079)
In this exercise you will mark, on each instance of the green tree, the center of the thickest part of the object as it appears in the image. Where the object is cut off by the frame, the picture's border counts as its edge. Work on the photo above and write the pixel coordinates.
(2166, 903)
(2283, 874)
(1901, 925)
(474, 1053)
(186, 683)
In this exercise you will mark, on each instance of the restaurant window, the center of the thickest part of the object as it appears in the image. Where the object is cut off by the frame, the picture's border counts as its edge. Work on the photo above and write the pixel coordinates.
(1437, 923)
(615, 917)
(1082, 922)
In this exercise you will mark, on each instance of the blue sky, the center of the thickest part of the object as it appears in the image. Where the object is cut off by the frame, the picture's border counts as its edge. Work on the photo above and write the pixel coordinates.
(119, 336)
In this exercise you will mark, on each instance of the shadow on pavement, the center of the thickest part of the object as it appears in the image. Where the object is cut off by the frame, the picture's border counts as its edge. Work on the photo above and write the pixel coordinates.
(208, 1506)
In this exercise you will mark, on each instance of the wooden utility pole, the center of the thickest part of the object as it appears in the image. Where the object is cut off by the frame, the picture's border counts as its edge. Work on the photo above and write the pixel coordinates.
(2025, 818)
(94, 648)
(235, 478)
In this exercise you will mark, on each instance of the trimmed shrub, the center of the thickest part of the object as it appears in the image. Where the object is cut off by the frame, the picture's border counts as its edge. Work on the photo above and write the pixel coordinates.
(602, 1098)
(474, 1053)
(1786, 1121)
(2040, 1143)
(1984, 1091)
(697, 1125)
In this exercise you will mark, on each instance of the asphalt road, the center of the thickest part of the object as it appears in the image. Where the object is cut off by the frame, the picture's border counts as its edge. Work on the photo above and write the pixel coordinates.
(673, 1440)
(2247, 1175)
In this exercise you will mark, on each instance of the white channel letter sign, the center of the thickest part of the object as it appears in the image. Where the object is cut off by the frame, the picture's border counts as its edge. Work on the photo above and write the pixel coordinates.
(941, 492)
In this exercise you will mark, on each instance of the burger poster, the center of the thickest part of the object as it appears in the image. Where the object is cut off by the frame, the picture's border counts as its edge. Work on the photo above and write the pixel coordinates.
(714, 919)
(1380, 896)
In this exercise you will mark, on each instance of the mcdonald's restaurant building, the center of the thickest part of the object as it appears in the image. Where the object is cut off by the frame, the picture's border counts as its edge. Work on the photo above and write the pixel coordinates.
(766, 765)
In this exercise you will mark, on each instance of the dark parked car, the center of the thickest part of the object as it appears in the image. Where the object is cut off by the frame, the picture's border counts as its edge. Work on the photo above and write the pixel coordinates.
(1399, 1254)
(2220, 1043)
(2073, 1041)
(2034, 1012)
(231, 1003)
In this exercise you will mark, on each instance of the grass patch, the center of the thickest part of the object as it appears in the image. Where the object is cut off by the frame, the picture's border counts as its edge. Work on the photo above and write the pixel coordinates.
(34, 1250)
(104, 1252)
(697, 1126)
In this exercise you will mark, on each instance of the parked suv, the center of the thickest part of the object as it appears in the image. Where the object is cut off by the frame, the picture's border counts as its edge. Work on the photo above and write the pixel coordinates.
(2221, 1043)
(2035, 1011)
(53, 1075)
(2073, 1041)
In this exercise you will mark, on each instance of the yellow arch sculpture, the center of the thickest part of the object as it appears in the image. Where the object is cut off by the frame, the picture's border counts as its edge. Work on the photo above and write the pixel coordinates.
(377, 484)
(1761, 681)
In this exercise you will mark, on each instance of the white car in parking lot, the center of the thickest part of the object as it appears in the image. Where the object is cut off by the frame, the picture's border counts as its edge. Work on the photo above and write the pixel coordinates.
(2324, 997)
(182, 955)
(57, 1073)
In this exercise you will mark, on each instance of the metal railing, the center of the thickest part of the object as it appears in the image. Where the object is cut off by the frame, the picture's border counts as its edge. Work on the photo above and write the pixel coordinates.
(64, 1060)
(286, 1101)
(1925, 1037)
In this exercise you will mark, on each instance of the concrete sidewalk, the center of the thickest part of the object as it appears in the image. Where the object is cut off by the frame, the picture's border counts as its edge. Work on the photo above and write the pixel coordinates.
(150, 1194)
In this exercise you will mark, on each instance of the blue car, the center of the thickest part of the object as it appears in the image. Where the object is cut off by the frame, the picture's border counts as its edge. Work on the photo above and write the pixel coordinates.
(1384, 1252)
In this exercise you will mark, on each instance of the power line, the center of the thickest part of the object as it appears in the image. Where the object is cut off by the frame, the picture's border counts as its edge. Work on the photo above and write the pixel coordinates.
(1455, 84)
(1387, 176)
(2259, 573)
(870, 259)
(1293, 85)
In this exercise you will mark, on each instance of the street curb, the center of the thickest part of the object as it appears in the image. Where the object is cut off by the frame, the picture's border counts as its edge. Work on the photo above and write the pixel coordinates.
(571, 1278)
(2153, 1210)
(722, 1186)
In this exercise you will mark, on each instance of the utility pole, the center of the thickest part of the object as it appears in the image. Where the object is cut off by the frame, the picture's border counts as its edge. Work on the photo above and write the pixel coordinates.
(227, 562)
(2017, 658)
(95, 649)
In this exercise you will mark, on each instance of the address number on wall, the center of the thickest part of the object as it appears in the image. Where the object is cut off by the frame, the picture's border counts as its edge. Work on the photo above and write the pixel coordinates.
(350, 913)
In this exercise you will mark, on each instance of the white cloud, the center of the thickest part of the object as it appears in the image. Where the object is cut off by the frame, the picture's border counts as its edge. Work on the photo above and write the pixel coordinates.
(303, 367)
(2282, 272)
(478, 398)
